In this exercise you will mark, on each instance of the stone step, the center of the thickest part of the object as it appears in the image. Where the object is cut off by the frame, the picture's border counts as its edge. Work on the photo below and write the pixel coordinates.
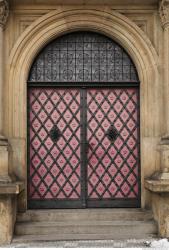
(105, 214)
(82, 229)
(70, 237)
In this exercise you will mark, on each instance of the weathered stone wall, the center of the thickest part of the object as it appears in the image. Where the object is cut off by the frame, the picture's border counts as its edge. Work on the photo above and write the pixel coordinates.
(138, 28)
(7, 217)
(43, 23)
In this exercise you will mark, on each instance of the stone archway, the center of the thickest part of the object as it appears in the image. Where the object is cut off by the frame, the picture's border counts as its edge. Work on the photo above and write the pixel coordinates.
(58, 22)
(83, 125)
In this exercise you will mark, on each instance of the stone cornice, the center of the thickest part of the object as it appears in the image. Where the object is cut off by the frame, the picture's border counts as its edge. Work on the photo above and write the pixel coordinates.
(4, 12)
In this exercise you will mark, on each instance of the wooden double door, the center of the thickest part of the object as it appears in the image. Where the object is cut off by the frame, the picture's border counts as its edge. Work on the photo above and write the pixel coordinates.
(83, 147)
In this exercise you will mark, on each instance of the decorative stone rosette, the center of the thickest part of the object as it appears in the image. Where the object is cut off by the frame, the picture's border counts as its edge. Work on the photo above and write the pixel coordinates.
(164, 12)
(4, 12)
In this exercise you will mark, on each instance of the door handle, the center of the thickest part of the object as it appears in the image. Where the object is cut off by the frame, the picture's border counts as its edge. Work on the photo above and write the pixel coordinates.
(91, 145)
(87, 145)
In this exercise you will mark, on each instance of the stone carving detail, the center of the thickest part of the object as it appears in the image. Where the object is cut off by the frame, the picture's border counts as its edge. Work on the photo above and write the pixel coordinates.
(164, 12)
(4, 12)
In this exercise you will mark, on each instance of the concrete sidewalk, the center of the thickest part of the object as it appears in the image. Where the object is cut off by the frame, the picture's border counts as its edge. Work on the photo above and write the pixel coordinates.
(143, 243)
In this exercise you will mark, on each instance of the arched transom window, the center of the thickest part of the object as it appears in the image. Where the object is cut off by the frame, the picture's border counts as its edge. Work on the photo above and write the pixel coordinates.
(83, 57)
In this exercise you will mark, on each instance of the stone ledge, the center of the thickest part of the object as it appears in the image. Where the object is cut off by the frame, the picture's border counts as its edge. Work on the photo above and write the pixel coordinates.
(157, 186)
(11, 188)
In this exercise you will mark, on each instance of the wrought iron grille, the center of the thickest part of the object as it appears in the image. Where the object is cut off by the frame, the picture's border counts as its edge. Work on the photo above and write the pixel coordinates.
(83, 57)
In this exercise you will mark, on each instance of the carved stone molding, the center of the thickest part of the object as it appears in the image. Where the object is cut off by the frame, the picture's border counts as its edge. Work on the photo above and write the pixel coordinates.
(4, 12)
(164, 12)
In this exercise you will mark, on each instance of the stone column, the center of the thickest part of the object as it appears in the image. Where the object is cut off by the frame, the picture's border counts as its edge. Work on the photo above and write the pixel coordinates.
(164, 144)
(4, 175)
(4, 11)
(158, 183)
(9, 188)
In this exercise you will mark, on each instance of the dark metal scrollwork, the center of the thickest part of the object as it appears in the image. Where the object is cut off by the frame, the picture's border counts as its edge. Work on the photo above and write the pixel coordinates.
(55, 134)
(112, 133)
(83, 57)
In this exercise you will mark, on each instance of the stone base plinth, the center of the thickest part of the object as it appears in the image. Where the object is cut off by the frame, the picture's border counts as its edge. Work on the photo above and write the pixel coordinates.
(158, 184)
(7, 215)
(8, 192)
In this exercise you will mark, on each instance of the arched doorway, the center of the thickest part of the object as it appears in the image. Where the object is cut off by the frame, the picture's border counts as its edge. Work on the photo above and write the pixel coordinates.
(83, 125)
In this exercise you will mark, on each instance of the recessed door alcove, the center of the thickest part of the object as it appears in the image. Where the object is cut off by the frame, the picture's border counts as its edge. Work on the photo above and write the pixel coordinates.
(83, 125)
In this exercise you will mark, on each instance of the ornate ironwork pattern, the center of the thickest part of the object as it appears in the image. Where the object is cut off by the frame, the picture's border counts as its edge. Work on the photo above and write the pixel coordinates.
(112, 133)
(55, 133)
(83, 57)
(55, 170)
(113, 168)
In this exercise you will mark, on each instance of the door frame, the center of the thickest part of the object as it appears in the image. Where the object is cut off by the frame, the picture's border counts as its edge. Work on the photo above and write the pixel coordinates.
(82, 203)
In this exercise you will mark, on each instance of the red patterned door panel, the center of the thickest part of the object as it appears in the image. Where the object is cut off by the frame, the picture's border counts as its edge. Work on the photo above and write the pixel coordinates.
(113, 155)
(83, 147)
(54, 177)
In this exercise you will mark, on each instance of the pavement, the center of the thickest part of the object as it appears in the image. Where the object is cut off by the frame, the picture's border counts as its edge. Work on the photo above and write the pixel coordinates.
(130, 243)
